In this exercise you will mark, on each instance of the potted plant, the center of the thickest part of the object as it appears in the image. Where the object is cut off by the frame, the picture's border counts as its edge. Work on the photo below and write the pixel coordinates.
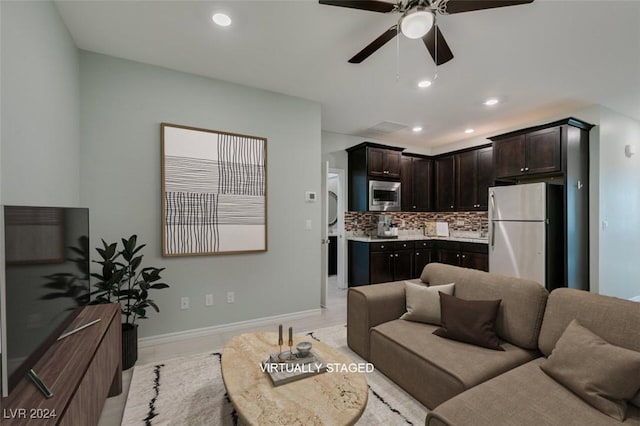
(124, 281)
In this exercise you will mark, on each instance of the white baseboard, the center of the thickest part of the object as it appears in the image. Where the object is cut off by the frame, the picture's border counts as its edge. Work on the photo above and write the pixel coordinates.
(635, 299)
(223, 328)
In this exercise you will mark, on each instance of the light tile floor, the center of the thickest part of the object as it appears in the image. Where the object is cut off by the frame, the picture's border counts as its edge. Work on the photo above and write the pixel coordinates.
(334, 314)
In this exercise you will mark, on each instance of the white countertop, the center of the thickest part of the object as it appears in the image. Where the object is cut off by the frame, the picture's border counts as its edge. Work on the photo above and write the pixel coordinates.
(463, 239)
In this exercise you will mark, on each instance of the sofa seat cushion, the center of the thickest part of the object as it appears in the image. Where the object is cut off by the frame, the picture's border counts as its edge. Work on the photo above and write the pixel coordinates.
(433, 369)
(524, 396)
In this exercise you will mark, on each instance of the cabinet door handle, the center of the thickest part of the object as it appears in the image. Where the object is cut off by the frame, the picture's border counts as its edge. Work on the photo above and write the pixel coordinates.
(396, 255)
(451, 206)
(414, 207)
(381, 247)
(464, 256)
(417, 254)
(526, 169)
(457, 255)
(391, 255)
(522, 169)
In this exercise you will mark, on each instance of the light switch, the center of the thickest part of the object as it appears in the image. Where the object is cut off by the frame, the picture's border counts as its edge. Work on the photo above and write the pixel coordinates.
(307, 225)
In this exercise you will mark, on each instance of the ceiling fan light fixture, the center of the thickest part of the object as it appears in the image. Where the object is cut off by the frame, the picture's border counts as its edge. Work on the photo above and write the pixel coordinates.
(221, 19)
(416, 22)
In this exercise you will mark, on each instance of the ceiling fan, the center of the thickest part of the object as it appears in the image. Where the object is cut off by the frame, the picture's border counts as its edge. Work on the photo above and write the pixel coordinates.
(418, 20)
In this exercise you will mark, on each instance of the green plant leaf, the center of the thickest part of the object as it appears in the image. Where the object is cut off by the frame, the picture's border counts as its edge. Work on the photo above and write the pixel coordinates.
(160, 285)
(153, 305)
(135, 262)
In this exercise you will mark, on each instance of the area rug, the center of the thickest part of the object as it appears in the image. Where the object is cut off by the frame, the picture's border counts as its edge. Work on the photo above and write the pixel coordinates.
(190, 391)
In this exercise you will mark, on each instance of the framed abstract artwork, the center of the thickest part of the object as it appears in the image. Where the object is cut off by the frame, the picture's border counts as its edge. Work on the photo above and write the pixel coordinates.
(214, 192)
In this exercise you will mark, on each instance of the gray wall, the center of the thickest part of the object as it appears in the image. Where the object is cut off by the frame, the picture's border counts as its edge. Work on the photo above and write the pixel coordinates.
(40, 163)
(123, 104)
(614, 203)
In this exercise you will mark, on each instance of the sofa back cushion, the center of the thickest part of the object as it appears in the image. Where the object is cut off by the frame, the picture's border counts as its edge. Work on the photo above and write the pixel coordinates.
(523, 301)
(615, 320)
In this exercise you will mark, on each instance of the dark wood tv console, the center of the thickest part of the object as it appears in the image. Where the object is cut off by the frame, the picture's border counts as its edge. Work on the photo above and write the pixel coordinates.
(81, 370)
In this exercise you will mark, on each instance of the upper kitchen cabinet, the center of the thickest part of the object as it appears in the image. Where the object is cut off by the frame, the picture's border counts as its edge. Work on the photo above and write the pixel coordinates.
(444, 183)
(416, 178)
(383, 162)
(534, 152)
(474, 176)
(528, 154)
(370, 161)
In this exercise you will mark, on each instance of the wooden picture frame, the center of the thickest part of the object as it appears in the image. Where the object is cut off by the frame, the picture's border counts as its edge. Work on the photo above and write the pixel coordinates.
(214, 192)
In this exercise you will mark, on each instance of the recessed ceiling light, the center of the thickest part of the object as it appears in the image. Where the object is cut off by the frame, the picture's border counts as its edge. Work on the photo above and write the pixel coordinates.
(469, 131)
(417, 129)
(221, 19)
(491, 101)
(424, 84)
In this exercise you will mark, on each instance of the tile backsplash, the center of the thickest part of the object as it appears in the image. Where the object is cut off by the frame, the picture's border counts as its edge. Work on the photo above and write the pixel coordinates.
(364, 222)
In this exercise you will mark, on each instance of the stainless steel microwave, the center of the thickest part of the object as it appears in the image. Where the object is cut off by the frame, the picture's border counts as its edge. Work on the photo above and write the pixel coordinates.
(384, 196)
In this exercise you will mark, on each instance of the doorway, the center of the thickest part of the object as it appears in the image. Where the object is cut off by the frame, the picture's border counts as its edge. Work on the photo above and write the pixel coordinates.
(335, 238)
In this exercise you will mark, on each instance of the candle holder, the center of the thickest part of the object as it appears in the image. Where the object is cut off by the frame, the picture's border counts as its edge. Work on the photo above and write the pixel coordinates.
(291, 356)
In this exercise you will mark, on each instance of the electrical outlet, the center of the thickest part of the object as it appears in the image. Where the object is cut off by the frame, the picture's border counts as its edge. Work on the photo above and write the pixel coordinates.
(231, 297)
(208, 300)
(184, 303)
(308, 225)
(460, 223)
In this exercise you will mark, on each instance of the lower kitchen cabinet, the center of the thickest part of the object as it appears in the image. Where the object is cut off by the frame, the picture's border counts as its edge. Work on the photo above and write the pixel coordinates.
(373, 263)
(467, 255)
(380, 262)
(423, 255)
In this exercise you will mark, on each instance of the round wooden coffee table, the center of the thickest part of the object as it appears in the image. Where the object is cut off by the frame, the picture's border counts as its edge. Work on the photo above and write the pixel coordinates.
(330, 398)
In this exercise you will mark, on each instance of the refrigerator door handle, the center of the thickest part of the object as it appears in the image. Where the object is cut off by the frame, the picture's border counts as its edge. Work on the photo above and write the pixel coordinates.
(492, 235)
(492, 202)
(492, 225)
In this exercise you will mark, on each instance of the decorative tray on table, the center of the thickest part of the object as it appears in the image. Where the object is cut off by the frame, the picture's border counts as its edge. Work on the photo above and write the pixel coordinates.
(287, 367)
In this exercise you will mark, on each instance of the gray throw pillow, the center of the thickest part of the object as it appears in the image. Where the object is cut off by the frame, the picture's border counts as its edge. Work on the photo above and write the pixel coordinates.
(604, 375)
(423, 303)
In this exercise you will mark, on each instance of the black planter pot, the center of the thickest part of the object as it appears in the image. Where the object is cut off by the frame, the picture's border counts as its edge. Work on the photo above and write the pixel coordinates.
(129, 345)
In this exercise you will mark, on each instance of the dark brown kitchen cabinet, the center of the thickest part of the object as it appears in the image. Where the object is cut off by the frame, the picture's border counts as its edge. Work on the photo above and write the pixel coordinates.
(416, 179)
(486, 176)
(423, 255)
(467, 255)
(383, 162)
(372, 263)
(534, 153)
(381, 267)
(444, 183)
(370, 161)
(391, 261)
(474, 260)
(474, 176)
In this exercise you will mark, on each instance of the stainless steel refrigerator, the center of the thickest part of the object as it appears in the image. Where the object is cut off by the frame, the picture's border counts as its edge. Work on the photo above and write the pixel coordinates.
(525, 233)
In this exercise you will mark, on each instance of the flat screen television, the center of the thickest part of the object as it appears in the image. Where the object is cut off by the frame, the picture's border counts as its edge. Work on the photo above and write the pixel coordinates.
(46, 282)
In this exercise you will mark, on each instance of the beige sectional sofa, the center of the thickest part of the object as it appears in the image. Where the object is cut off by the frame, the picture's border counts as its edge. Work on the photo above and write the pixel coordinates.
(465, 384)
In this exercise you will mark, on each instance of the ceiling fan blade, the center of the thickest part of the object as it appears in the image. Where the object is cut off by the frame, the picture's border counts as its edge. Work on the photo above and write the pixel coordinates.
(444, 53)
(374, 45)
(457, 6)
(373, 6)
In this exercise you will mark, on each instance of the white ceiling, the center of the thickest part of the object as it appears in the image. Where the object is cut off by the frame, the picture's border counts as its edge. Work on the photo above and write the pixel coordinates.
(542, 59)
